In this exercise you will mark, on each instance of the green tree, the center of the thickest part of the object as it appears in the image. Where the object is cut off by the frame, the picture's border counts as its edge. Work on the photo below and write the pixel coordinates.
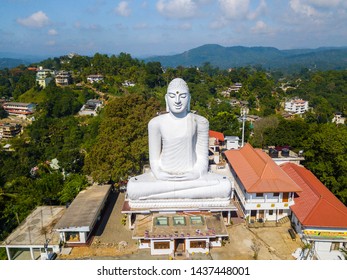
(326, 156)
(121, 149)
(73, 184)
(3, 113)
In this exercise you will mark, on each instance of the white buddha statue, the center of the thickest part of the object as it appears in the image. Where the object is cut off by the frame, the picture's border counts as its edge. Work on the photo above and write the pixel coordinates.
(178, 153)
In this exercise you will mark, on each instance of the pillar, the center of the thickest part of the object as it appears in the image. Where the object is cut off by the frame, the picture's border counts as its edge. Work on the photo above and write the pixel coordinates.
(32, 253)
(8, 253)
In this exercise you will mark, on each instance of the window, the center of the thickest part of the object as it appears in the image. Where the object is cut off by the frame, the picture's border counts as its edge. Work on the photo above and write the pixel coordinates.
(335, 246)
(259, 195)
(161, 221)
(276, 194)
(198, 244)
(196, 220)
(271, 212)
(161, 245)
(72, 236)
(179, 221)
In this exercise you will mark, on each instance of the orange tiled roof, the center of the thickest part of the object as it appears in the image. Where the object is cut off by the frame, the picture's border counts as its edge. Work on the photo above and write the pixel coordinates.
(316, 205)
(258, 172)
(218, 135)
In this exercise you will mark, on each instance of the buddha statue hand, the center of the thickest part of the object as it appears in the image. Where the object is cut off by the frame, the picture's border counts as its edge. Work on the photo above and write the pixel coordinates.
(184, 176)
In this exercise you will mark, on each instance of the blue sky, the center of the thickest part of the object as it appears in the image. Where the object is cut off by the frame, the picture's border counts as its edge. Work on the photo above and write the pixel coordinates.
(159, 27)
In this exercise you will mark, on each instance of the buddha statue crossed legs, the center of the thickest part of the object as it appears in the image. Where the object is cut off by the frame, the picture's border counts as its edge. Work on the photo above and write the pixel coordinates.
(178, 153)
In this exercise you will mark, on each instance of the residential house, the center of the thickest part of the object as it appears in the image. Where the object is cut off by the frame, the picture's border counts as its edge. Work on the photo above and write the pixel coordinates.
(263, 190)
(63, 78)
(296, 106)
(233, 88)
(19, 108)
(232, 142)
(318, 216)
(9, 130)
(128, 84)
(91, 108)
(216, 145)
(338, 119)
(44, 76)
(95, 78)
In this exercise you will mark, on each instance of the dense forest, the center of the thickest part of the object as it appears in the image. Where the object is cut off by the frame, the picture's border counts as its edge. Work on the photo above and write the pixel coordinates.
(113, 145)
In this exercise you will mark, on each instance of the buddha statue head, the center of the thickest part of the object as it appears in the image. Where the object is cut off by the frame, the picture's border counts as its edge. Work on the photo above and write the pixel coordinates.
(178, 97)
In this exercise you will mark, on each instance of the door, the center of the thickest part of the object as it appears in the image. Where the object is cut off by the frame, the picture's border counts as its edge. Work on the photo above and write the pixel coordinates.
(179, 246)
(285, 197)
(261, 216)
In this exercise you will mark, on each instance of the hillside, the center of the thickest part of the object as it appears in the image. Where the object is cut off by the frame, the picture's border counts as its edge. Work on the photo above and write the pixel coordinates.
(11, 62)
(267, 57)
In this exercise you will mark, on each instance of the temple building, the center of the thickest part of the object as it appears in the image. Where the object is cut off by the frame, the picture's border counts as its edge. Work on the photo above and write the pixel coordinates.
(318, 216)
(262, 189)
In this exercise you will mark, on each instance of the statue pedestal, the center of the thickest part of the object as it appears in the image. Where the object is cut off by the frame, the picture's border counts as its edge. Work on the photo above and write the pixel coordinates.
(174, 204)
(145, 191)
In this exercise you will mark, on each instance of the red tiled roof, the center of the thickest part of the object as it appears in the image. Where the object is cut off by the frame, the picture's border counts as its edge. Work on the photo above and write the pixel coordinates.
(316, 205)
(218, 135)
(258, 172)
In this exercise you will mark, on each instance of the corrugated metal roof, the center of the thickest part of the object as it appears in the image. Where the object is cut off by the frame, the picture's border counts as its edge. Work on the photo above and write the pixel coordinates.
(258, 172)
(316, 205)
(85, 208)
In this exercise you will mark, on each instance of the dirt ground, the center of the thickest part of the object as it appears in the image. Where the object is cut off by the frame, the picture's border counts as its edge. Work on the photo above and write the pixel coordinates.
(113, 240)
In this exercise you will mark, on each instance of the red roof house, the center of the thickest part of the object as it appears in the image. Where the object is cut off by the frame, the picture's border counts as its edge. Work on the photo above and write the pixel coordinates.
(215, 134)
(316, 205)
(258, 172)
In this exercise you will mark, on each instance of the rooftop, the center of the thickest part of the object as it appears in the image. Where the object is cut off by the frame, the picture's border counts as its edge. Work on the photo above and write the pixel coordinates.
(180, 225)
(84, 208)
(316, 205)
(37, 227)
(258, 172)
(218, 135)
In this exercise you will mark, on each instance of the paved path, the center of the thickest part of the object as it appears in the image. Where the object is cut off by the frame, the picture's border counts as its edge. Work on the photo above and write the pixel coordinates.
(111, 229)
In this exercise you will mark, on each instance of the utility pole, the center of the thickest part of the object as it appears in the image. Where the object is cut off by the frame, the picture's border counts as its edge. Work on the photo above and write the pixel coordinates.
(243, 113)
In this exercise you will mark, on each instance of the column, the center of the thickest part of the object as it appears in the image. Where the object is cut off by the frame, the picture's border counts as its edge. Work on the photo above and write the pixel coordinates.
(8, 253)
(32, 253)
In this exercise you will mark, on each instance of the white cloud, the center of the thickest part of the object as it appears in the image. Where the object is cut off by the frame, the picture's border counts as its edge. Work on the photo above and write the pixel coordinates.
(219, 23)
(325, 3)
(52, 32)
(260, 27)
(234, 9)
(36, 20)
(177, 8)
(123, 9)
(300, 7)
(258, 11)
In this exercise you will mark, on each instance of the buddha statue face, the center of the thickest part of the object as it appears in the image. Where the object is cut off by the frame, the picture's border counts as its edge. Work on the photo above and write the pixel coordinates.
(177, 97)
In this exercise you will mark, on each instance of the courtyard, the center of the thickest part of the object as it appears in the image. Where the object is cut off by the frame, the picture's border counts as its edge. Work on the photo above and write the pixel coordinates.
(113, 240)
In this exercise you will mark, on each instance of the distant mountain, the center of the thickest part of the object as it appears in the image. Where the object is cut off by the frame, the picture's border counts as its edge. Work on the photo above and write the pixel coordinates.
(11, 60)
(267, 57)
